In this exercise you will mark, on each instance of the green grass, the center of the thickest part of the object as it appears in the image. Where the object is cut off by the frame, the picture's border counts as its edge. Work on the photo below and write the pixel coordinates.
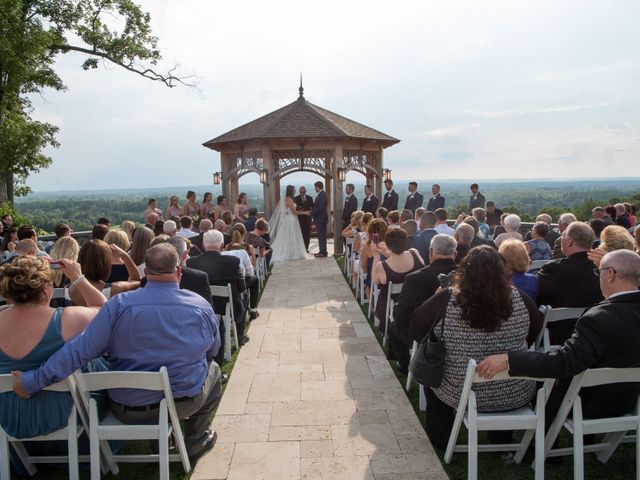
(497, 465)
(137, 471)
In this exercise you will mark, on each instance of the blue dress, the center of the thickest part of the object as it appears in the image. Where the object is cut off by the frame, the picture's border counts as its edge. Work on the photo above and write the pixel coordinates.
(45, 412)
(539, 250)
(527, 282)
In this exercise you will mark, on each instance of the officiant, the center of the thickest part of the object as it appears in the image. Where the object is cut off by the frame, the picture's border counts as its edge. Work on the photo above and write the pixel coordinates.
(304, 203)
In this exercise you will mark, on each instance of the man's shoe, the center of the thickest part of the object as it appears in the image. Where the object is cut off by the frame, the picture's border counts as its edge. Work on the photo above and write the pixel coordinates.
(253, 314)
(243, 339)
(320, 255)
(224, 378)
(207, 444)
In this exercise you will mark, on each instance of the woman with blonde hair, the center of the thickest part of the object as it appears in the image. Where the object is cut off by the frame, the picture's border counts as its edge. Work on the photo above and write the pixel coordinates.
(173, 210)
(121, 269)
(613, 237)
(516, 260)
(376, 230)
(65, 247)
(142, 239)
(128, 227)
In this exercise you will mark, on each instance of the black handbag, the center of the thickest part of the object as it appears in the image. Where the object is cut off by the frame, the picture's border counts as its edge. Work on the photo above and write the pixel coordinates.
(427, 363)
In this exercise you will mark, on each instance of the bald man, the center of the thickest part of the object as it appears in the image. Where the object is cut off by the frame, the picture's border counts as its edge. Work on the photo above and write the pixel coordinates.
(605, 336)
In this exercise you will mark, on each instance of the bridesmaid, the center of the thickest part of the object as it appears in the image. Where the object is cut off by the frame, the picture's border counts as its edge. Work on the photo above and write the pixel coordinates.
(240, 208)
(221, 208)
(174, 209)
(153, 208)
(191, 208)
(207, 208)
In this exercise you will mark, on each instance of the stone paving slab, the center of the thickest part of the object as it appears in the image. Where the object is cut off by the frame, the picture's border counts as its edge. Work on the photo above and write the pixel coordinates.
(312, 396)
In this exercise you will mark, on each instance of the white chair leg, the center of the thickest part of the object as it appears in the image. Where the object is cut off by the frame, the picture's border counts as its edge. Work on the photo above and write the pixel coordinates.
(578, 441)
(613, 439)
(410, 375)
(72, 445)
(5, 467)
(235, 334)
(227, 337)
(539, 447)
(472, 473)
(638, 453)
(94, 442)
(163, 441)
(23, 455)
(423, 399)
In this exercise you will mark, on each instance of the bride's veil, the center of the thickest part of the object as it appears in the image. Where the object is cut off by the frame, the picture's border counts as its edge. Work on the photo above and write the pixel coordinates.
(274, 221)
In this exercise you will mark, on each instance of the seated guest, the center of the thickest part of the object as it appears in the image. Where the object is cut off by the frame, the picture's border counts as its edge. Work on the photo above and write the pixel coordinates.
(411, 228)
(493, 215)
(122, 270)
(400, 261)
(95, 258)
(223, 270)
(227, 217)
(622, 216)
(597, 225)
(606, 335)
(24, 248)
(6, 223)
(221, 226)
(9, 242)
(382, 213)
(186, 230)
(353, 227)
(511, 226)
(569, 282)
(104, 221)
(538, 247)
(600, 213)
(405, 215)
(633, 217)
(151, 220)
(464, 236)
(551, 236)
(499, 229)
(191, 279)
(480, 214)
(361, 237)
(61, 230)
(142, 239)
(441, 222)
(376, 230)
(252, 216)
(428, 231)
(204, 227)
(614, 237)
(170, 228)
(136, 329)
(418, 215)
(417, 288)
(564, 221)
(247, 255)
(27, 232)
(65, 247)
(516, 260)
(99, 231)
(477, 235)
(260, 240)
(393, 219)
(31, 332)
(128, 227)
(158, 228)
(482, 313)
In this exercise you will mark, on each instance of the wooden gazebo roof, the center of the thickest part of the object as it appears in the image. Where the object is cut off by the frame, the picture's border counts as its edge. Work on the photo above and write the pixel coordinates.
(301, 120)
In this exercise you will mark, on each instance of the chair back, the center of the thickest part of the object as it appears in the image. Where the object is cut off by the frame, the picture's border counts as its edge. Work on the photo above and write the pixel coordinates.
(551, 315)
(222, 291)
(537, 264)
(60, 293)
(7, 380)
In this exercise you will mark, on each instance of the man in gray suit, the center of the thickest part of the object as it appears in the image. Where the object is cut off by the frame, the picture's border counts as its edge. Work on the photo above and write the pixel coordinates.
(320, 218)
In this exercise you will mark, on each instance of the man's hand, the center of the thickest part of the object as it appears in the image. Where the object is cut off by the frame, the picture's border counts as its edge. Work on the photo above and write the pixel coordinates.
(18, 389)
(492, 365)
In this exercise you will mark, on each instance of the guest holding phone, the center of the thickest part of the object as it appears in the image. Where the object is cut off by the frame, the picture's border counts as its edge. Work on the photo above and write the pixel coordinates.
(376, 229)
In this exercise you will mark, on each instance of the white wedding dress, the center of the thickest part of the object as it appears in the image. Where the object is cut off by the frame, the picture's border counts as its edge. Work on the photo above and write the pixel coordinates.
(286, 237)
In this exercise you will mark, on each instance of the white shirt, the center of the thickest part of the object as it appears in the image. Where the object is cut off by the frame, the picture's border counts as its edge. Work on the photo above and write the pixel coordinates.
(245, 262)
(444, 228)
(186, 233)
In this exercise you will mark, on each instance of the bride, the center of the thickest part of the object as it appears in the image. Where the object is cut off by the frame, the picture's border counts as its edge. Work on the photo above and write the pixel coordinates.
(287, 242)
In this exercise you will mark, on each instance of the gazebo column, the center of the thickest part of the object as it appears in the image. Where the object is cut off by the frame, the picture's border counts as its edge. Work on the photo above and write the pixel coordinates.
(268, 189)
(226, 181)
(328, 188)
(337, 200)
(379, 179)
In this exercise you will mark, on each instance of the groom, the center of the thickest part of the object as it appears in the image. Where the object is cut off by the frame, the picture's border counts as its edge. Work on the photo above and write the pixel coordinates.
(320, 218)
(304, 202)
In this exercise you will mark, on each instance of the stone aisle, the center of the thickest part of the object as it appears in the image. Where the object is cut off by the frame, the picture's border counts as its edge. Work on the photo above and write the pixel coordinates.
(312, 396)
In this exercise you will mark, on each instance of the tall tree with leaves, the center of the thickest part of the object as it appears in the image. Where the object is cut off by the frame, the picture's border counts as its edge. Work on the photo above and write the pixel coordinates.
(32, 34)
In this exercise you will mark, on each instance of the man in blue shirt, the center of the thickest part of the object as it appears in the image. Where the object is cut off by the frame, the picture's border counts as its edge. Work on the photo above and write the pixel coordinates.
(143, 330)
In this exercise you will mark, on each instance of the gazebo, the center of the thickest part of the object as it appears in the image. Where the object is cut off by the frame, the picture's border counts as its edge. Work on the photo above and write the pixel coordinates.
(302, 137)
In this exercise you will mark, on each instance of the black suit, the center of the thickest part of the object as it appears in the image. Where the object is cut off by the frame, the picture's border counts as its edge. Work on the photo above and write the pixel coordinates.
(350, 206)
(321, 218)
(390, 200)
(370, 204)
(414, 201)
(223, 269)
(435, 203)
(423, 242)
(418, 287)
(567, 282)
(605, 336)
(476, 201)
(305, 205)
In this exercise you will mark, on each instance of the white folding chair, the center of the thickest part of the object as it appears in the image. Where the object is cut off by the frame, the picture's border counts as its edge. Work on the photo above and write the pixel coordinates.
(614, 427)
(393, 289)
(422, 396)
(537, 264)
(554, 315)
(520, 419)
(348, 250)
(70, 433)
(228, 318)
(355, 269)
(374, 293)
(110, 428)
(62, 293)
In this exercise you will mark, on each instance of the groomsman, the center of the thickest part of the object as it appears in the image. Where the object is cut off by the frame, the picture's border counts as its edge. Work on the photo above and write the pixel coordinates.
(390, 199)
(370, 203)
(437, 201)
(415, 198)
(304, 203)
(320, 218)
(350, 205)
(476, 200)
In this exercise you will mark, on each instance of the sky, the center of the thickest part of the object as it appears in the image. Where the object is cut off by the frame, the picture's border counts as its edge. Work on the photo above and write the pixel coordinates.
(474, 90)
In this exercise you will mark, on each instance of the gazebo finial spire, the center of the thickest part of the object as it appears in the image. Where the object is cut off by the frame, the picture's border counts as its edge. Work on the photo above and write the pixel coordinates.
(301, 89)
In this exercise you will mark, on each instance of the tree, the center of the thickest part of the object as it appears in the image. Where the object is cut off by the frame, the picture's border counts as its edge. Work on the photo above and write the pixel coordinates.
(32, 34)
